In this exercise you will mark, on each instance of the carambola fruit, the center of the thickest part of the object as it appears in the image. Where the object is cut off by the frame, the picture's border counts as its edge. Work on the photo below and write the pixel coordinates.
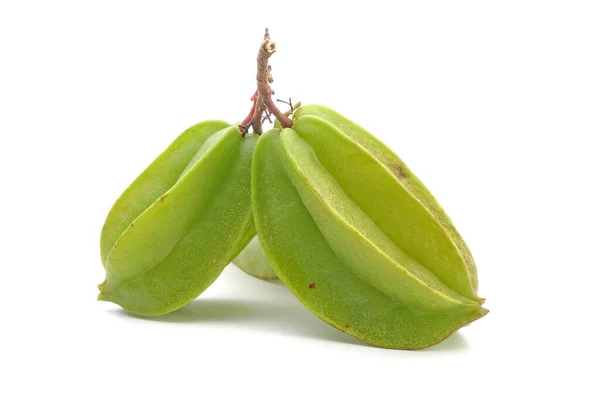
(177, 226)
(357, 237)
(317, 201)
(253, 261)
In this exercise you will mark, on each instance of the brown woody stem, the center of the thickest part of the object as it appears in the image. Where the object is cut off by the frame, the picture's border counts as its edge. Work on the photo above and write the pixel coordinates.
(257, 118)
(264, 78)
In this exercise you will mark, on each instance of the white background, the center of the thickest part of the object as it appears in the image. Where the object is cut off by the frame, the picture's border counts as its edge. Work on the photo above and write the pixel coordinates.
(495, 105)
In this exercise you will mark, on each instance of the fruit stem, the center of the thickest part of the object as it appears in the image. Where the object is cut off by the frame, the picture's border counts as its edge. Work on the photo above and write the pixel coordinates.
(257, 118)
(264, 78)
(245, 125)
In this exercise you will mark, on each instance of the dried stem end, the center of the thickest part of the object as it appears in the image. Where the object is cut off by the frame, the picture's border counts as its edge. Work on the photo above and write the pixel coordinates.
(262, 103)
(264, 79)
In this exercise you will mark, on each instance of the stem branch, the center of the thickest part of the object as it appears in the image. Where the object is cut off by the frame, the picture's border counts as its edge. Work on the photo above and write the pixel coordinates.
(245, 125)
(257, 119)
(264, 79)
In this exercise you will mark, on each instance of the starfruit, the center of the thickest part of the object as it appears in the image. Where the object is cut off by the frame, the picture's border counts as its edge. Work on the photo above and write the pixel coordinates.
(253, 261)
(357, 237)
(176, 227)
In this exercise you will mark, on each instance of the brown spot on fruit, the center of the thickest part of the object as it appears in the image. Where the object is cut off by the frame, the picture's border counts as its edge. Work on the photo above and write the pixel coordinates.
(347, 326)
(312, 286)
(163, 197)
(399, 171)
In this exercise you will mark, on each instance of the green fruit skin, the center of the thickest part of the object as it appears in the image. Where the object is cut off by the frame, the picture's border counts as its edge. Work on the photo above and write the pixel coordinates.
(178, 245)
(354, 235)
(324, 282)
(253, 261)
(452, 262)
(398, 202)
(154, 181)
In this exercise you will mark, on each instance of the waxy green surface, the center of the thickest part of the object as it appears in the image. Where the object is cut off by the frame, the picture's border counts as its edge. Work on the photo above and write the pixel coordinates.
(199, 216)
(154, 181)
(323, 233)
(396, 199)
(253, 261)
(445, 252)
(354, 236)
(342, 221)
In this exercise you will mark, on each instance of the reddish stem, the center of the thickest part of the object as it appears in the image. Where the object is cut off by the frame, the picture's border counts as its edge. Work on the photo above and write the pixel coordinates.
(245, 125)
